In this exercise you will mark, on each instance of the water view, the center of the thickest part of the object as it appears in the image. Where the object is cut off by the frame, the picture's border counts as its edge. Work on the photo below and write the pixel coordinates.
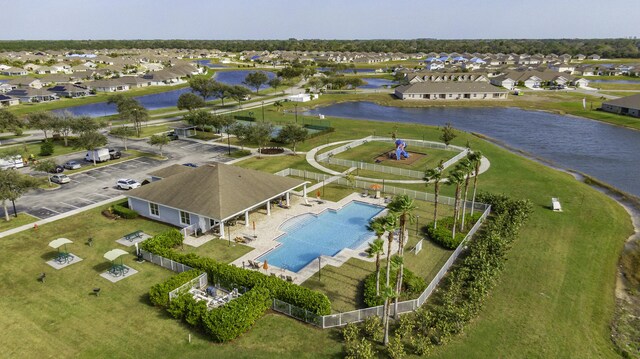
(604, 151)
(160, 100)
(375, 83)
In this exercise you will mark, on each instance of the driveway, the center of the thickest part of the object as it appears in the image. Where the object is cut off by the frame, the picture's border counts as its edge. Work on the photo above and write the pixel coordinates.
(98, 184)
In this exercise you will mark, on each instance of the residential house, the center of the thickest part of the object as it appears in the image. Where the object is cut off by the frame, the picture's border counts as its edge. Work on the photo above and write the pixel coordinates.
(14, 71)
(110, 85)
(205, 198)
(6, 101)
(450, 91)
(28, 95)
(70, 90)
(26, 82)
(579, 57)
(629, 105)
(593, 57)
(134, 81)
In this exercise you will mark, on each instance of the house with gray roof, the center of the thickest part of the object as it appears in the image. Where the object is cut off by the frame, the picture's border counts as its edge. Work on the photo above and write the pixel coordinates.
(629, 105)
(28, 94)
(6, 101)
(450, 91)
(70, 90)
(207, 197)
(110, 85)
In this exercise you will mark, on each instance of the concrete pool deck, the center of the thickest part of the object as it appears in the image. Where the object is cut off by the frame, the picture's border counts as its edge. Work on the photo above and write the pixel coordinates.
(268, 230)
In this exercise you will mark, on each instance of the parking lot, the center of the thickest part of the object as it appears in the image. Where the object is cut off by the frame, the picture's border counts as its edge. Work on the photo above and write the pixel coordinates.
(98, 184)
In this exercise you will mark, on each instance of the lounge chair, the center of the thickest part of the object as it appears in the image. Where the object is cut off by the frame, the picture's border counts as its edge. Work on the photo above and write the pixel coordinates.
(365, 193)
(289, 279)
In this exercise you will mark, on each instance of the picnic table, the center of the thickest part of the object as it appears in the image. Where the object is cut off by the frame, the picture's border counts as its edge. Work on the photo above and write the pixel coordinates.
(118, 270)
(64, 257)
(133, 235)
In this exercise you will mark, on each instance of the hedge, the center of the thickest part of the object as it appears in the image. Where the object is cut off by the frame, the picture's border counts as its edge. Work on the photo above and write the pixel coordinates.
(124, 212)
(412, 286)
(159, 293)
(442, 234)
(163, 243)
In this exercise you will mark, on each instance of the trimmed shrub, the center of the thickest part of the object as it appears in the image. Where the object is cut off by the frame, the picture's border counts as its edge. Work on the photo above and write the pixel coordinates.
(124, 212)
(412, 286)
(236, 317)
(46, 148)
(159, 293)
(162, 243)
(442, 234)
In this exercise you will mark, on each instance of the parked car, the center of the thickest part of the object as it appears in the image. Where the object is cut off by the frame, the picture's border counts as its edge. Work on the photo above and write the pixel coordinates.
(72, 165)
(60, 179)
(127, 183)
(189, 164)
(114, 154)
(57, 169)
(172, 136)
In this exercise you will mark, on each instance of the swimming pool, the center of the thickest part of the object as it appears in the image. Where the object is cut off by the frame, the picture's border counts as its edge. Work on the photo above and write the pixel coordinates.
(309, 236)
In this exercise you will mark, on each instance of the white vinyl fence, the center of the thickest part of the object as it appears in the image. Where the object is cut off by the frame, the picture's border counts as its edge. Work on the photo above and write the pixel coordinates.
(197, 282)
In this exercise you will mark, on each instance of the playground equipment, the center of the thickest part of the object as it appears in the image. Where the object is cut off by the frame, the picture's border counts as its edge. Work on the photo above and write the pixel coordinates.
(401, 150)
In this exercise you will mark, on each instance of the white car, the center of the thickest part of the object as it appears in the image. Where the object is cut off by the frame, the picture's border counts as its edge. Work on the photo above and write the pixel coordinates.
(127, 183)
(60, 179)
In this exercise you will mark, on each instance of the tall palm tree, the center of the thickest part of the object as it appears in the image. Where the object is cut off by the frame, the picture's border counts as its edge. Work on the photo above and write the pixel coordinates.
(476, 159)
(455, 178)
(435, 175)
(388, 294)
(390, 226)
(466, 167)
(376, 249)
(403, 207)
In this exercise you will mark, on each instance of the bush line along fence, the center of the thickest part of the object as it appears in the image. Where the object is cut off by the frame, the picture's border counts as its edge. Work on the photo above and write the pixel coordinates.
(340, 319)
(423, 196)
(328, 156)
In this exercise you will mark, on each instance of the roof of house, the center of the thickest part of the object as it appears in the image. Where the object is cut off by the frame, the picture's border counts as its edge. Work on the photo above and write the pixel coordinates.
(216, 191)
(445, 87)
(628, 102)
(170, 171)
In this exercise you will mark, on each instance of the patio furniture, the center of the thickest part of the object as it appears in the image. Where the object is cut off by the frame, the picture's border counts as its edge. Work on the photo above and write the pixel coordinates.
(133, 235)
(289, 279)
(63, 256)
(116, 269)
(247, 238)
(96, 292)
(90, 242)
(365, 193)
(42, 276)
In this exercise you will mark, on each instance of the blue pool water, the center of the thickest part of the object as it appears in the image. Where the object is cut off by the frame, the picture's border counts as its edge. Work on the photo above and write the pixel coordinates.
(309, 236)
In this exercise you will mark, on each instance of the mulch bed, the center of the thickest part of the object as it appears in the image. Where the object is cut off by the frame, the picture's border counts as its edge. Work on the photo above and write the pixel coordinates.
(271, 150)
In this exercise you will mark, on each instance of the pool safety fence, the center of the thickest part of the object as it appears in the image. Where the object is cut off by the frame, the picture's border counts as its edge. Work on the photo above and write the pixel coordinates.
(340, 319)
(386, 189)
(197, 282)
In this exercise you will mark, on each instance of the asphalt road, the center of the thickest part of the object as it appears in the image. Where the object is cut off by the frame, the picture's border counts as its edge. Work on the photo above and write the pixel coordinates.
(98, 184)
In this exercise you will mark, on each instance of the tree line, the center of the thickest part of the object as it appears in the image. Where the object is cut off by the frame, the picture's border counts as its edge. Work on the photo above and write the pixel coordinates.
(609, 48)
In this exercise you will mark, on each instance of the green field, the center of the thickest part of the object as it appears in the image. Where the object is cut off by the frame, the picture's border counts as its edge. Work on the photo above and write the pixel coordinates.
(369, 151)
(555, 297)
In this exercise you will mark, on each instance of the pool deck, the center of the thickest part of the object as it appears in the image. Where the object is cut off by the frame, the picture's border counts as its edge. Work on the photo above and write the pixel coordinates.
(267, 231)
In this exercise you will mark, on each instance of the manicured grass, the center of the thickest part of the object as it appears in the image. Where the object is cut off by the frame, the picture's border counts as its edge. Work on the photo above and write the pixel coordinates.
(23, 218)
(147, 131)
(220, 250)
(200, 135)
(34, 148)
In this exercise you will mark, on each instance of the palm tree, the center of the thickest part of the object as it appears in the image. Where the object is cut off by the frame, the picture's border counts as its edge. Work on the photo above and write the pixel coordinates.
(403, 207)
(388, 294)
(435, 175)
(476, 159)
(466, 167)
(455, 178)
(390, 226)
(376, 249)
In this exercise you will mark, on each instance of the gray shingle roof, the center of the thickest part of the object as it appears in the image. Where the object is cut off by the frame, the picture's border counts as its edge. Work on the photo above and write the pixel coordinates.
(628, 102)
(445, 87)
(215, 191)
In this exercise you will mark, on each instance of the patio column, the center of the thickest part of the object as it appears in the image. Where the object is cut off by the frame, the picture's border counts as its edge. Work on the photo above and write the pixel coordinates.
(246, 218)
(221, 226)
(268, 208)
(304, 191)
(287, 197)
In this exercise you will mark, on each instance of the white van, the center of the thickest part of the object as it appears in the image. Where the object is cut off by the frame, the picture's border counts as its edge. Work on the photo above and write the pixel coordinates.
(11, 162)
(100, 155)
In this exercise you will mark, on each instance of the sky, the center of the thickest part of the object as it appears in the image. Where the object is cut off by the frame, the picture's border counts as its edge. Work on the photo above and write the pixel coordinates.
(319, 19)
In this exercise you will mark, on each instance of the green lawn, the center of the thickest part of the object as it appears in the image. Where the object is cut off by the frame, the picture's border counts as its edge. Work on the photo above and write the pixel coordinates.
(555, 297)
(220, 250)
(34, 148)
(23, 218)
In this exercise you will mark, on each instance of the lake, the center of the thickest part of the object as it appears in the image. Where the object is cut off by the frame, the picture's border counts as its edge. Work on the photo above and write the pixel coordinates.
(635, 82)
(375, 83)
(603, 151)
(160, 100)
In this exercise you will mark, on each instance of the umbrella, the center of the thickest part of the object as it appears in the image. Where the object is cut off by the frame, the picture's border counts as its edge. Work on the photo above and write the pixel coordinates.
(265, 266)
(56, 243)
(114, 254)
(376, 187)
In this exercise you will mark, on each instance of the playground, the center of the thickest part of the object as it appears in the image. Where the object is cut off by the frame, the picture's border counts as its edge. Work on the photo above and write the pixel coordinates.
(384, 153)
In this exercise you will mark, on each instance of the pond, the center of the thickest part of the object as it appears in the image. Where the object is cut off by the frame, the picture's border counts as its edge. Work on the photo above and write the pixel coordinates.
(208, 63)
(159, 100)
(376, 83)
(603, 151)
(634, 82)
